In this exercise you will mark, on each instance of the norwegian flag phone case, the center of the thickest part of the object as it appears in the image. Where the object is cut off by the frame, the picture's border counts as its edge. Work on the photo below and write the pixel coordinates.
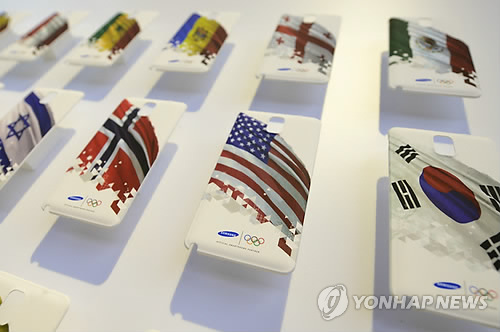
(424, 59)
(254, 206)
(301, 49)
(23, 128)
(445, 219)
(195, 46)
(101, 184)
(38, 309)
(105, 46)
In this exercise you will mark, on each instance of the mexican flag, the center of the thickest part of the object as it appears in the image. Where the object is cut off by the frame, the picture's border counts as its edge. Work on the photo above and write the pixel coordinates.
(430, 48)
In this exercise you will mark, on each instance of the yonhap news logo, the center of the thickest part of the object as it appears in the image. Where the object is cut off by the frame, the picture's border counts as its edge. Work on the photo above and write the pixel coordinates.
(333, 301)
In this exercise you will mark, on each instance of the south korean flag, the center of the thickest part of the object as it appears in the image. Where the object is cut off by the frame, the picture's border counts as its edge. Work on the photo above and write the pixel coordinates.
(447, 207)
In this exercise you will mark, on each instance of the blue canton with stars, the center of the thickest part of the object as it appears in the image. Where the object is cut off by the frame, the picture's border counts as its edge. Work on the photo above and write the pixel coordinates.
(23, 119)
(250, 135)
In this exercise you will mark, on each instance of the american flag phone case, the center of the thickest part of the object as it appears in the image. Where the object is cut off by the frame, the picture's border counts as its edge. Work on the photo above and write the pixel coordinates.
(42, 38)
(253, 209)
(445, 219)
(35, 308)
(106, 45)
(24, 127)
(301, 49)
(100, 185)
(424, 59)
(195, 46)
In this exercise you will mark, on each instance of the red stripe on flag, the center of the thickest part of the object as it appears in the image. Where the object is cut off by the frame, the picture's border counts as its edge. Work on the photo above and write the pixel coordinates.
(215, 42)
(296, 160)
(293, 181)
(90, 152)
(304, 37)
(295, 168)
(255, 187)
(147, 132)
(460, 58)
(270, 181)
(120, 111)
(38, 27)
(282, 244)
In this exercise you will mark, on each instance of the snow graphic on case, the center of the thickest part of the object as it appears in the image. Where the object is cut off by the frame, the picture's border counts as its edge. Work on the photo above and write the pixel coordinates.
(24, 127)
(424, 59)
(108, 43)
(301, 49)
(38, 40)
(445, 218)
(254, 205)
(195, 46)
(106, 176)
(36, 308)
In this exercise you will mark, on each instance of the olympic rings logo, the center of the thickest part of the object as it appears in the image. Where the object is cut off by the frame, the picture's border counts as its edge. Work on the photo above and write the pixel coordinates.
(442, 81)
(252, 239)
(490, 294)
(93, 202)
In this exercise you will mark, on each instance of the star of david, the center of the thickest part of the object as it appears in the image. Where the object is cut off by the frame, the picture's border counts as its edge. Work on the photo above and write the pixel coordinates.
(23, 120)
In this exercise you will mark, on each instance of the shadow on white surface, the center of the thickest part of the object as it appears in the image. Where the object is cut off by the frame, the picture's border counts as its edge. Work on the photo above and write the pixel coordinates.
(228, 296)
(400, 108)
(15, 189)
(190, 88)
(97, 82)
(25, 74)
(293, 98)
(89, 252)
(403, 320)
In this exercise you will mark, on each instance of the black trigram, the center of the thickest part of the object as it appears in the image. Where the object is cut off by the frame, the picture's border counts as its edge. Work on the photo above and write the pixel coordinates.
(407, 152)
(406, 195)
(494, 194)
(492, 247)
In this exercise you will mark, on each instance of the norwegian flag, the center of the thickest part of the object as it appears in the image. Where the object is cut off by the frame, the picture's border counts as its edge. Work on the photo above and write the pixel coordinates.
(121, 153)
(261, 169)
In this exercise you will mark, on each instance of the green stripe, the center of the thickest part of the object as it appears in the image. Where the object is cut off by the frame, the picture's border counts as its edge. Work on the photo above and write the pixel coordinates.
(104, 28)
(399, 39)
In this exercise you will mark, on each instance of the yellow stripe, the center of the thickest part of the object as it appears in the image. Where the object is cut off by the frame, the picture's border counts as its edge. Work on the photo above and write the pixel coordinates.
(199, 36)
(114, 33)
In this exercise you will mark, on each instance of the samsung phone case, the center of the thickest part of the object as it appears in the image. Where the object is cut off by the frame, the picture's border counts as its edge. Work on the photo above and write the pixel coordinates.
(195, 46)
(445, 220)
(40, 309)
(43, 38)
(101, 184)
(424, 59)
(110, 41)
(23, 128)
(254, 206)
(301, 49)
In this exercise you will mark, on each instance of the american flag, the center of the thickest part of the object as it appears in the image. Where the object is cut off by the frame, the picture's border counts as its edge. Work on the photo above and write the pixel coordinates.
(121, 153)
(261, 171)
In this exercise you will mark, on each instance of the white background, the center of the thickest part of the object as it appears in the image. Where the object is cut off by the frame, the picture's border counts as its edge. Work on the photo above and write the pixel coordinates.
(139, 276)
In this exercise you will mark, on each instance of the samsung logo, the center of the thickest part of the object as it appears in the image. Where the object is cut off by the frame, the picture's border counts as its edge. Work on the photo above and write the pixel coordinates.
(75, 198)
(284, 69)
(423, 80)
(228, 234)
(447, 285)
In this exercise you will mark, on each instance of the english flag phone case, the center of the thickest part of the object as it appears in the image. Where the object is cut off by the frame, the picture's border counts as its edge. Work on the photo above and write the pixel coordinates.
(37, 309)
(445, 219)
(424, 59)
(23, 128)
(109, 42)
(254, 206)
(42, 38)
(196, 45)
(101, 184)
(301, 49)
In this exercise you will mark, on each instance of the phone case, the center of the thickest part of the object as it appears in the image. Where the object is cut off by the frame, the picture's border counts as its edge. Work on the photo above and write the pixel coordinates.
(424, 59)
(445, 220)
(196, 45)
(23, 128)
(41, 39)
(110, 41)
(101, 184)
(40, 309)
(301, 49)
(253, 208)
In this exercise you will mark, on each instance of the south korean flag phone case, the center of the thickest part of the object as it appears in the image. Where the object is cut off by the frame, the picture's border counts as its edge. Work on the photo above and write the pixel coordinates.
(424, 59)
(253, 209)
(445, 219)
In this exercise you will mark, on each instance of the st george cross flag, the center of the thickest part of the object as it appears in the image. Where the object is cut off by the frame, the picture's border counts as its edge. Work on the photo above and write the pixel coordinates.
(424, 48)
(46, 32)
(21, 130)
(4, 21)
